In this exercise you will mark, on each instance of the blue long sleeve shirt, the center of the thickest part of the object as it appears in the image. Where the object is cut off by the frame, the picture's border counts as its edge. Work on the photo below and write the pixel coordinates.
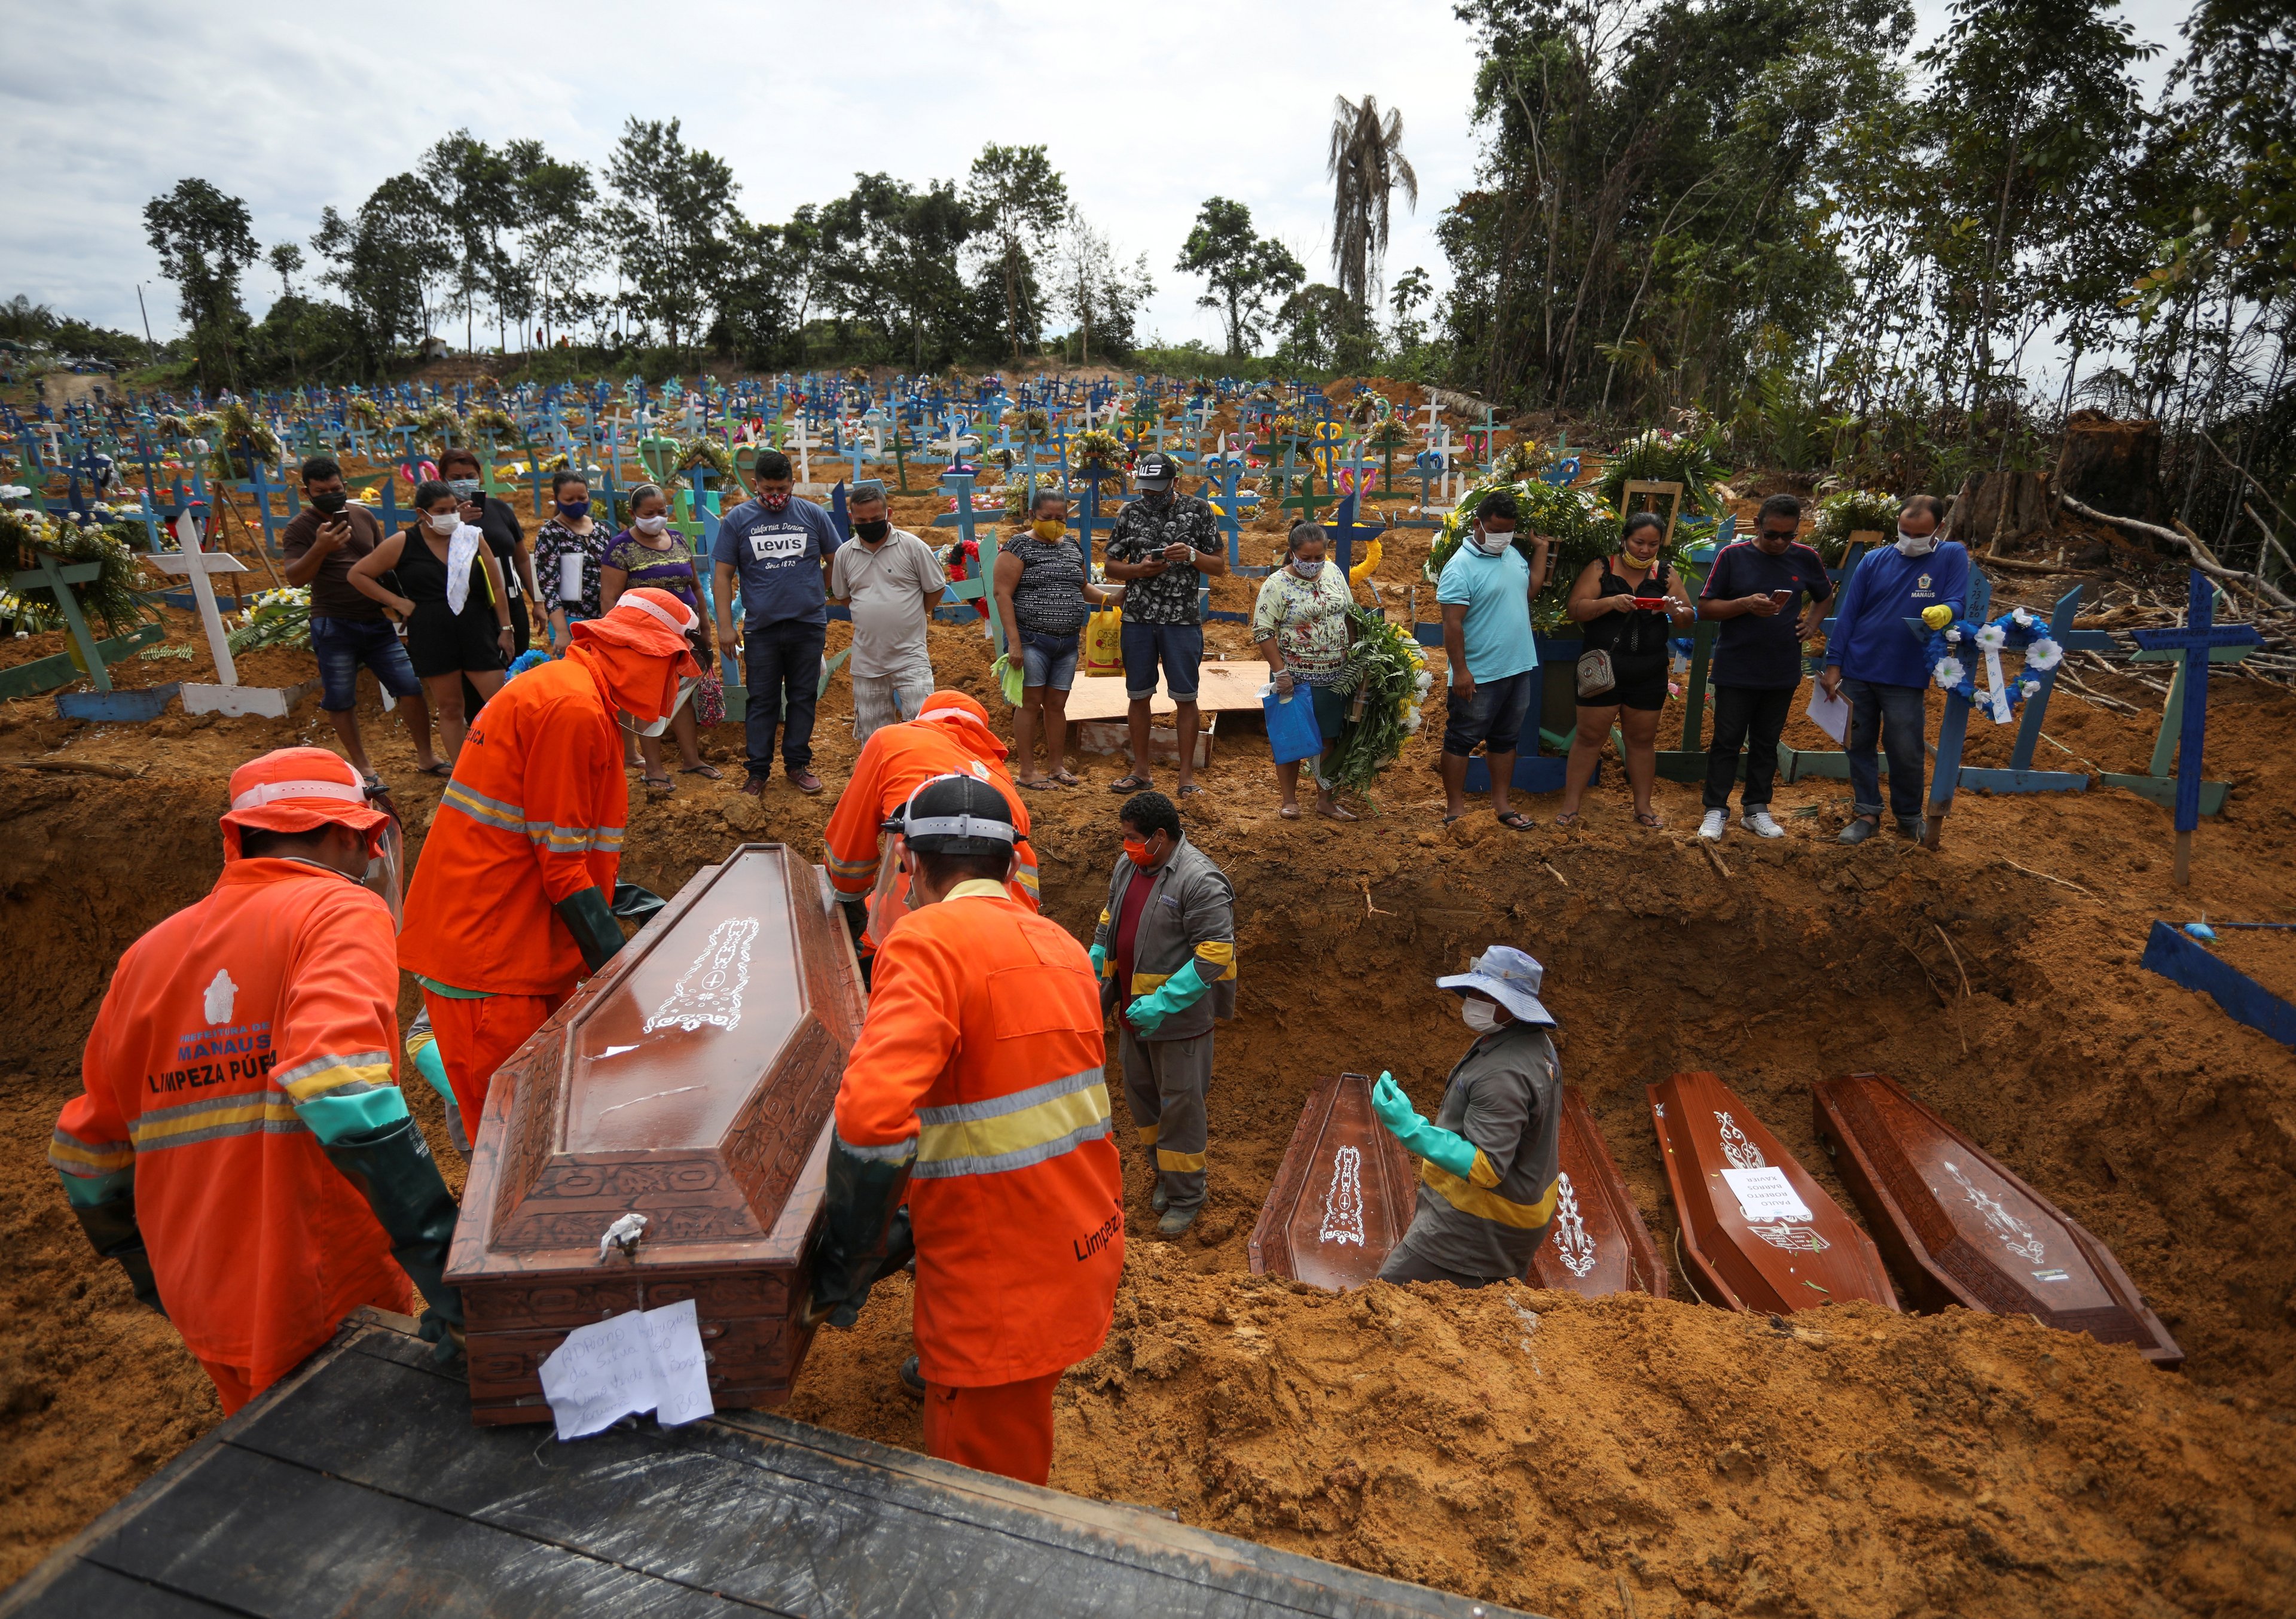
(1869, 640)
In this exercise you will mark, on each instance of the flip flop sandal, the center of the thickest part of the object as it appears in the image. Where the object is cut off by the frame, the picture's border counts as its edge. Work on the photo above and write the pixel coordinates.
(1337, 813)
(1289, 812)
(1570, 818)
(1042, 784)
(440, 768)
(712, 771)
(1651, 821)
(662, 782)
(1191, 791)
(1514, 820)
(1453, 820)
(1130, 784)
(1067, 778)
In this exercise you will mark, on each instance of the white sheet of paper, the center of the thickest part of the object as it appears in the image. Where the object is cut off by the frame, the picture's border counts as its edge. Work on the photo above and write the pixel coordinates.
(1831, 714)
(638, 1361)
(1766, 1194)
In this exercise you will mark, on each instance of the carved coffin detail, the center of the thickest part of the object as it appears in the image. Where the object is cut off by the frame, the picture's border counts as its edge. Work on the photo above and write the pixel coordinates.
(1959, 1228)
(690, 1081)
(1597, 1243)
(1758, 1233)
(1343, 1194)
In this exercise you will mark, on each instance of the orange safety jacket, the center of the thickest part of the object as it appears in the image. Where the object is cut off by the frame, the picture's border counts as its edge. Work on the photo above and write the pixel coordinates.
(274, 993)
(952, 738)
(534, 816)
(981, 1058)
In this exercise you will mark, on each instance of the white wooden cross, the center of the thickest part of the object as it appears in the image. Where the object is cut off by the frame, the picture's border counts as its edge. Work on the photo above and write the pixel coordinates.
(199, 565)
(1434, 419)
(803, 443)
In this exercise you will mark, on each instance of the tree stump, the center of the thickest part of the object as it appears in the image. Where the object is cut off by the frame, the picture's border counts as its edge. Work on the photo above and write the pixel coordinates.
(2113, 465)
(1996, 509)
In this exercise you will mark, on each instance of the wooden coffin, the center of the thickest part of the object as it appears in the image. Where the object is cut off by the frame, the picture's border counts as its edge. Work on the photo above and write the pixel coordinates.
(1758, 1233)
(1597, 1243)
(690, 1081)
(1343, 1194)
(1958, 1227)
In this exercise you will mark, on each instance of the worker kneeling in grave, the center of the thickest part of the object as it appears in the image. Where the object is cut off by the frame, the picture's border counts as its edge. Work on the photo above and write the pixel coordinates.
(976, 1093)
(950, 734)
(241, 1146)
(1488, 1163)
(511, 901)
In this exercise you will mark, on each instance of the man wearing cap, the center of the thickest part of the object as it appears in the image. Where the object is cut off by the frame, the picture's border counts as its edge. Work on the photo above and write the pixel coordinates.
(1487, 1164)
(241, 1146)
(976, 1092)
(890, 579)
(1165, 951)
(1163, 547)
(949, 734)
(511, 902)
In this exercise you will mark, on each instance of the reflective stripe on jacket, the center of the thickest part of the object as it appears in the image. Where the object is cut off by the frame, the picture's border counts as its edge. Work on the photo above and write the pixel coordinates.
(533, 816)
(981, 1058)
(896, 761)
(1504, 1097)
(1190, 916)
(274, 993)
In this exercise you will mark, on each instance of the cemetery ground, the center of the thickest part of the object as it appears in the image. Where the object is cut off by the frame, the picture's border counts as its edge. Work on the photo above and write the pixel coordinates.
(1621, 1457)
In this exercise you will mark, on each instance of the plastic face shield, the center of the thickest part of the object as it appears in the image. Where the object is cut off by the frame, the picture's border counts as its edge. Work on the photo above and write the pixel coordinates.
(385, 868)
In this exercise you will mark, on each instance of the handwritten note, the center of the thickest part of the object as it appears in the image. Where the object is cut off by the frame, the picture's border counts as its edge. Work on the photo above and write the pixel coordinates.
(642, 1360)
(1766, 1194)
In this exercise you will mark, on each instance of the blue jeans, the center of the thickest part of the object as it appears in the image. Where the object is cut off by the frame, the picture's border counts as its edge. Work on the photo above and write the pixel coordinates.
(783, 665)
(1179, 647)
(1895, 715)
(341, 645)
(1048, 660)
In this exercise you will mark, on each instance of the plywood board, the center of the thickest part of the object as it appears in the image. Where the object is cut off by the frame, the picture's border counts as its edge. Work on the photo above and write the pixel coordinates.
(1232, 687)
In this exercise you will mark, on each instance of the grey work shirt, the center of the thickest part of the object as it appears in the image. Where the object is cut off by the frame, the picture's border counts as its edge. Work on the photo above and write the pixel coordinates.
(1506, 1096)
(1189, 916)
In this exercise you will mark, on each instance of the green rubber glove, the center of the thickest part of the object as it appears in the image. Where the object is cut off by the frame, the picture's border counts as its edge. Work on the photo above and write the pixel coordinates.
(393, 1169)
(590, 918)
(112, 1230)
(1441, 1147)
(1176, 993)
(864, 1229)
(1099, 962)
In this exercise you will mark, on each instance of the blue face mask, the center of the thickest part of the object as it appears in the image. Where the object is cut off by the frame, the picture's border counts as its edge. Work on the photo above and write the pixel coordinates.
(576, 509)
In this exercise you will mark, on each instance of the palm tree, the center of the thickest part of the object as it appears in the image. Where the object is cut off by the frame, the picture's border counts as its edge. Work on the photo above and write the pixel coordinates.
(1366, 165)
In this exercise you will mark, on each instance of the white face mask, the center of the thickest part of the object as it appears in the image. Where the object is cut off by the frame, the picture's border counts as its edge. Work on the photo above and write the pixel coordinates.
(1306, 569)
(1491, 545)
(1481, 1016)
(651, 525)
(1916, 544)
(443, 522)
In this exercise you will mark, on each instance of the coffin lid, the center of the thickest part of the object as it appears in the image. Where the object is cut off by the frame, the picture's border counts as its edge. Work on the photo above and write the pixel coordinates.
(1717, 1156)
(689, 1081)
(1961, 1228)
(1597, 1243)
(1343, 1194)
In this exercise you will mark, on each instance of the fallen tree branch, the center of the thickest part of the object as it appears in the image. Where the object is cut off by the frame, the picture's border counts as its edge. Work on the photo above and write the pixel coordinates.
(2046, 878)
(78, 766)
(2270, 539)
(2202, 558)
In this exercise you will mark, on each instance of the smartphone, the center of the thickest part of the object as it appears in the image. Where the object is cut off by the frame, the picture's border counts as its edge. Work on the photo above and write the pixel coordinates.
(1782, 597)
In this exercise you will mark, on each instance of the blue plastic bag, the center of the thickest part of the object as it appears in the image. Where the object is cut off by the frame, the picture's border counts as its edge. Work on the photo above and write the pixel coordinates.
(1292, 733)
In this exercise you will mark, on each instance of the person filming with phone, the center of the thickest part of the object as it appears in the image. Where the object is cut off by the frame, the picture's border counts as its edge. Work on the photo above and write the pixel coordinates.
(349, 627)
(1752, 589)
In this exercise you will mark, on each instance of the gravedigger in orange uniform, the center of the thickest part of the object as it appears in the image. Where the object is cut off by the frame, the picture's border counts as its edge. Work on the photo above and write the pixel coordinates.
(511, 901)
(240, 1145)
(975, 1092)
(949, 734)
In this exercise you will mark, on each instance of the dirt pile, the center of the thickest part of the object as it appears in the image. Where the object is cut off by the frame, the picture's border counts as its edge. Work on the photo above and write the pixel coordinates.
(1853, 1463)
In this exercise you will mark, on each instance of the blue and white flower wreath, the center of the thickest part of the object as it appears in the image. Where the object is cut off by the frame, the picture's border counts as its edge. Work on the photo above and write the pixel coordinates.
(1952, 649)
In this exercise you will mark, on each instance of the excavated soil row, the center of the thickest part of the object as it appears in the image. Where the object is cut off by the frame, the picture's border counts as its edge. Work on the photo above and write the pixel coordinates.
(1853, 1463)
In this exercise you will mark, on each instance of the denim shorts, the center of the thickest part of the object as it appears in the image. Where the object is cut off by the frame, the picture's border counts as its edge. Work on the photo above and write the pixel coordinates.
(1048, 660)
(1493, 717)
(1178, 647)
(342, 645)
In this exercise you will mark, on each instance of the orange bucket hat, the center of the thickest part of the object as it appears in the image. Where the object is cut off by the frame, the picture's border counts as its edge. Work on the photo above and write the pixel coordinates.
(297, 790)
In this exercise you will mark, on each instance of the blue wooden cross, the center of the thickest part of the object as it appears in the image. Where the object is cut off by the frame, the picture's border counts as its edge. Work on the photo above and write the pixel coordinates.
(2197, 641)
(1345, 530)
(1092, 475)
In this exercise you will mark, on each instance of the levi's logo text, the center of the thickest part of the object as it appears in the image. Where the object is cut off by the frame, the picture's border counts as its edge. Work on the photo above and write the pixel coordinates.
(1099, 1239)
(223, 1055)
(777, 545)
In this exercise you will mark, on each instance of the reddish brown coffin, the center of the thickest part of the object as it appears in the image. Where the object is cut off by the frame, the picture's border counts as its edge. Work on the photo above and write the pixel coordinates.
(1959, 1228)
(690, 1081)
(1343, 1194)
(1597, 1243)
(1770, 1262)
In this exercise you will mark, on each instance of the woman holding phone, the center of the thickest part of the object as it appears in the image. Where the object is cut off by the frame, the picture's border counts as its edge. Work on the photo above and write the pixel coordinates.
(445, 583)
(1629, 606)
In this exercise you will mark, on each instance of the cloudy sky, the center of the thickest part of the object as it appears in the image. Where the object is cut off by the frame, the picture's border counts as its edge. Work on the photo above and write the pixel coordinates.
(108, 102)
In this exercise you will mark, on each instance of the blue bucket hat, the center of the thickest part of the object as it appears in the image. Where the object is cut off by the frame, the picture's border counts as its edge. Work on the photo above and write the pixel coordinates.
(1510, 977)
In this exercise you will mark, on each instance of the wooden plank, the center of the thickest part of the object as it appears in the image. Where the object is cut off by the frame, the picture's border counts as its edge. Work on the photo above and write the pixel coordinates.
(778, 1512)
(83, 1589)
(2183, 961)
(1229, 687)
(262, 1536)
